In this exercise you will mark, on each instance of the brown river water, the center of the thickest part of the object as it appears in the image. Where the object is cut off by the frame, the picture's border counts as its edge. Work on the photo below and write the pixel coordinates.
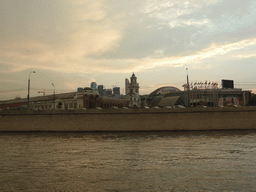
(128, 161)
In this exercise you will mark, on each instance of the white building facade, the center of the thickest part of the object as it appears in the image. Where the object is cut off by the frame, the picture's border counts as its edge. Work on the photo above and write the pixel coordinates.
(133, 92)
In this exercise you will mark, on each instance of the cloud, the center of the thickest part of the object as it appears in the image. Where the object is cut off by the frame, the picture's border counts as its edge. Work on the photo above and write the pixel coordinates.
(246, 56)
(90, 65)
(178, 13)
(89, 39)
(78, 82)
(84, 31)
(193, 59)
(92, 38)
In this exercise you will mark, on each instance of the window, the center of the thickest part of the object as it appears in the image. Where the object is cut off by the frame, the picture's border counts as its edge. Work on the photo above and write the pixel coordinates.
(131, 91)
(136, 90)
(75, 105)
(46, 106)
(70, 105)
(50, 106)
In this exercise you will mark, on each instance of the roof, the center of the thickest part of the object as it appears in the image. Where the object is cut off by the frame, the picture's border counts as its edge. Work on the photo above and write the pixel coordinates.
(165, 90)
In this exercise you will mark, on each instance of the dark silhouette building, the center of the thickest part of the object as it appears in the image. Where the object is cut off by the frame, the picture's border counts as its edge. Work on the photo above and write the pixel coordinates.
(116, 90)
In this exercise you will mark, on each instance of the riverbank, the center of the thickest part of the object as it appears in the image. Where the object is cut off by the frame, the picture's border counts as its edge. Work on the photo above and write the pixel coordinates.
(130, 119)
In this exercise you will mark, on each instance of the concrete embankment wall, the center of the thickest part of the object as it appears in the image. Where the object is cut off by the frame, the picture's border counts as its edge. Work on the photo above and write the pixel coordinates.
(129, 120)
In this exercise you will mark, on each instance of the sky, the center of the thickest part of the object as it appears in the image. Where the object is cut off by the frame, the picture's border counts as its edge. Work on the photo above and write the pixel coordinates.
(72, 43)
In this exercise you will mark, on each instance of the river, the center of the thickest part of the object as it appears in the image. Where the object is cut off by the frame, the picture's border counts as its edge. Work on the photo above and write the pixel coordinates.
(128, 161)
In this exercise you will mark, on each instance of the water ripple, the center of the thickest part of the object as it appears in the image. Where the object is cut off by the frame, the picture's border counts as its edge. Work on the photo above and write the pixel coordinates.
(129, 161)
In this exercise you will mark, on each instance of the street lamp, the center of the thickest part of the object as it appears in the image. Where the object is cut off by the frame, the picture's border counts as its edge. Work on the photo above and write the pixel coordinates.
(54, 95)
(188, 89)
(29, 85)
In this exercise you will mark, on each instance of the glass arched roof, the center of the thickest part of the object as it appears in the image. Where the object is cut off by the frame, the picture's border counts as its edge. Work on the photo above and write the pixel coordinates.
(165, 90)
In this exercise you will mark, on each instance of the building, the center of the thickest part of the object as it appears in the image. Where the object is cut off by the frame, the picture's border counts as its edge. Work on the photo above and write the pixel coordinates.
(101, 89)
(108, 92)
(133, 92)
(94, 85)
(87, 98)
(158, 97)
(126, 86)
(116, 90)
(211, 94)
(202, 94)
(110, 102)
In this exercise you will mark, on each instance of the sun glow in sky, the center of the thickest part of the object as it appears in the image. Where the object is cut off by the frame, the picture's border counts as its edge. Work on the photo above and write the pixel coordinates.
(73, 42)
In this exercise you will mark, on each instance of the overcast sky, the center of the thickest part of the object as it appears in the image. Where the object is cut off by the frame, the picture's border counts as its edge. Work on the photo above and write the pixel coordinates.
(73, 42)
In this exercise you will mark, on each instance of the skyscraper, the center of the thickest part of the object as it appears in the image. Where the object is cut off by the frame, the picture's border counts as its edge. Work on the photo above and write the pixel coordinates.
(116, 90)
(108, 92)
(126, 86)
(101, 90)
(94, 85)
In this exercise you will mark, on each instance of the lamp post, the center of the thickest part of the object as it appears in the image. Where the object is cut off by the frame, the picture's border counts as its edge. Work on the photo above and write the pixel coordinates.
(188, 89)
(54, 96)
(29, 85)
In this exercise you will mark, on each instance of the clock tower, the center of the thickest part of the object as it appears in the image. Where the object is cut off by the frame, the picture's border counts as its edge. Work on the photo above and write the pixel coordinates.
(133, 92)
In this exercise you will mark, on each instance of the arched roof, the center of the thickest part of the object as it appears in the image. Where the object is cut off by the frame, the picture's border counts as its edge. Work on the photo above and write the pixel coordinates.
(165, 90)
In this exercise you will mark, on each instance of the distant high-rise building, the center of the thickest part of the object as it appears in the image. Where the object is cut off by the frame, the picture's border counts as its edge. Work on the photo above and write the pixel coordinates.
(108, 92)
(100, 89)
(79, 89)
(126, 86)
(116, 90)
(94, 85)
